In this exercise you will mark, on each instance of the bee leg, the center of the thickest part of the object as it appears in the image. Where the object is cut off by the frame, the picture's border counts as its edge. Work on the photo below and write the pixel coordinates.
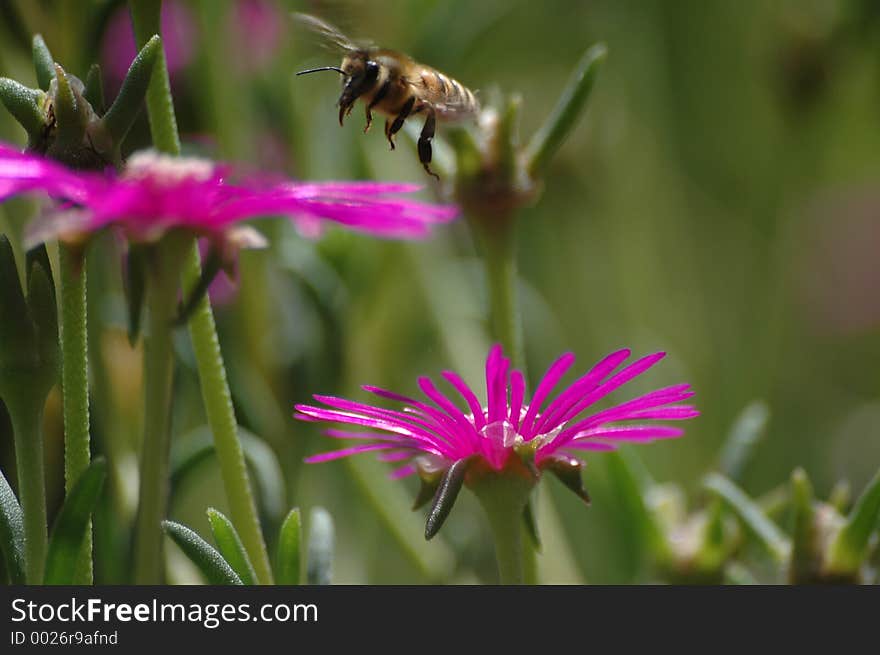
(345, 110)
(388, 129)
(425, 150)
(380, 95)
(398, 122)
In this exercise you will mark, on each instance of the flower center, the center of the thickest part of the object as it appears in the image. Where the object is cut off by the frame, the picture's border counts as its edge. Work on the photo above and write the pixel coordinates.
(504, 433)
(166, 170)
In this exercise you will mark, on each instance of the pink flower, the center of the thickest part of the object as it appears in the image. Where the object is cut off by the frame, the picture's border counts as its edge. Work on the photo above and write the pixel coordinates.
(179, 36)
(257, 29)
(431, 436)
(157, 193)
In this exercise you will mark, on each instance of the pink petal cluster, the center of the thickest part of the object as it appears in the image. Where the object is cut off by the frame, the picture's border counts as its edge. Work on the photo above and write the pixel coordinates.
(430, 436)
(156, 193)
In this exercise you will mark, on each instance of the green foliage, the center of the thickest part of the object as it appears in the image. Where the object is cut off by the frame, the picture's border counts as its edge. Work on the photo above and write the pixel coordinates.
(11, 533)
(553, 133)
(121, 114)
(44, 63)
(751, 515)
(210, 562)
(231, 547)
(744, 435)
(25, 105)
(698, 212)
(850, 548)
(322, 542)
(72, 523)
(288, 559)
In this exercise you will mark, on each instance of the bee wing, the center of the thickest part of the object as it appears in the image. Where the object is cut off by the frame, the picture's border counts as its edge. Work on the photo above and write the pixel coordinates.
(328, 34)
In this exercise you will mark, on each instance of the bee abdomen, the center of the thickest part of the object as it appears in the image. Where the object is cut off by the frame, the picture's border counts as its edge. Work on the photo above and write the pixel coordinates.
(458, 101)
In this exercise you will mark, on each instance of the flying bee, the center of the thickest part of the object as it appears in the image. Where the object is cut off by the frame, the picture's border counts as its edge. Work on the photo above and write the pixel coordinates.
(392, 83)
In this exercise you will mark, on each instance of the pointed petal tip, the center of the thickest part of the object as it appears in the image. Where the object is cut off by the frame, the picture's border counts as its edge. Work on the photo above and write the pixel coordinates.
(304, 413)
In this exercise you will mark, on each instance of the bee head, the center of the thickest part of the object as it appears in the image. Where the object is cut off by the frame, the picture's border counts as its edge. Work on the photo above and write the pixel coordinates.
(360, 74)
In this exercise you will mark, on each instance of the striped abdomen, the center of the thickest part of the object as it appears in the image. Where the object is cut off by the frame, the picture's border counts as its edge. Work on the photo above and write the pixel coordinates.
(450, 99)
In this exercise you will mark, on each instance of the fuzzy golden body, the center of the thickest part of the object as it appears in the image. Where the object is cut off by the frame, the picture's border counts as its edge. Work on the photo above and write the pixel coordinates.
(393, 84)
(450, 100)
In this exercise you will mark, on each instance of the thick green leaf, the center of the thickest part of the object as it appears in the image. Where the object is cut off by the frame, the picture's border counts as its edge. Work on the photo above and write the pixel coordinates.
(427, 490)
(751, 515)
(211, 266)
(16, 330)
(805, 549)
(747, 431)
(69, 114)
(840, 497)
(72, 522)
(210, 562)
(25, 105)
(231, 547)
(94, 89)
(122, 113)
(288, 568)
(44, 64)
(569, 474)
(445, 497)
(849, 549)
(630, 486)
(322, 539)
(568, 110)
(11, 532)
(530, 523)
(135, 278)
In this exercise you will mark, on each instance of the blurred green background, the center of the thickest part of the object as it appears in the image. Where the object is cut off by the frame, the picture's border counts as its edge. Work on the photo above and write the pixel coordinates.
(719, 202)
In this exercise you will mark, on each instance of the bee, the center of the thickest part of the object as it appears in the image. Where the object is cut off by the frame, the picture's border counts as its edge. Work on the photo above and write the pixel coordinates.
(394, 84)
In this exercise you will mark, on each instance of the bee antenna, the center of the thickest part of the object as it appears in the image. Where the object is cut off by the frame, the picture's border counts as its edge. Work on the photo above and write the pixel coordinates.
(323, 68)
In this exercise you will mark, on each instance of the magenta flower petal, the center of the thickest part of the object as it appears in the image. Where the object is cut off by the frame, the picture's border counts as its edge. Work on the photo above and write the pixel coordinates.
(403, 472)
(336, 454)
(631, 433)
(24, 173)
(557, 409)
(550, 379)
(469, 397)
(156, 193)
(592, 445)
(434, 436)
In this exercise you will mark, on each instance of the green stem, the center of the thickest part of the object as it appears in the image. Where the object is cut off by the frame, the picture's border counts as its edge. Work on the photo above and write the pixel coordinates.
(221, 418)
(498, 240)
(503, 497)
(499, 253)
(529, 557)
(158, 378)
(507, 532)
(145, 16)
(26, 422)
(75, 385)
